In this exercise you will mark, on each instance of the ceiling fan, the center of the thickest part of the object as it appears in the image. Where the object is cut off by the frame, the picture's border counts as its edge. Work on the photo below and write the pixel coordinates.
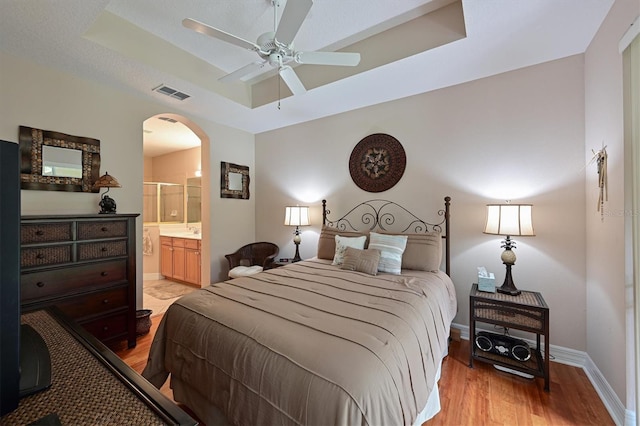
(276, 48)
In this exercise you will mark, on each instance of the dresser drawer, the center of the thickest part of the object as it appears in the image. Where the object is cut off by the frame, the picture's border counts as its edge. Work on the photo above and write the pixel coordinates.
(33, 233)
(45, 255)
(59, 282)
(106, 328)
(101, 229)
(95, 303)
(102, 250)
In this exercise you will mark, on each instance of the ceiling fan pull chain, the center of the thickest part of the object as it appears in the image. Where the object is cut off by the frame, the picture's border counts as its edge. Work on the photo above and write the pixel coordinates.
(279, 80)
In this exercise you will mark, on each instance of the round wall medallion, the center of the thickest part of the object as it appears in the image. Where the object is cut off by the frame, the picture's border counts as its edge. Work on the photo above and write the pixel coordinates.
(377, 162)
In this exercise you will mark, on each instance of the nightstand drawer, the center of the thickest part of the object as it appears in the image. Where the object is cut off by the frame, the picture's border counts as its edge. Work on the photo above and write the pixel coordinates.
(59, 282)
(530, 318)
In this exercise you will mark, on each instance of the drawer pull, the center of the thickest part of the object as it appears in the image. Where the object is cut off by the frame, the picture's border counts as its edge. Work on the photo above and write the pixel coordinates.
(39, 256)
(104, 273)
(104, 249)
(105, 302)
(40, 284)
(105, 328)
(104, 229)
(39, 232)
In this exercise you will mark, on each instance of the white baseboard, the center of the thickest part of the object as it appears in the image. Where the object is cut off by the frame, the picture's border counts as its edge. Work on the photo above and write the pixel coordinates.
(562, 355)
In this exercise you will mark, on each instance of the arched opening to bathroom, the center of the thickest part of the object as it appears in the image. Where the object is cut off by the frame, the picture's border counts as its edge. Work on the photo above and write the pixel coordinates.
(175, 210)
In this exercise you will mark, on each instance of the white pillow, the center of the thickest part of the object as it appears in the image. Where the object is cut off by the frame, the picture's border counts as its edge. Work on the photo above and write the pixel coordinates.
(391, 248)
(341, 247)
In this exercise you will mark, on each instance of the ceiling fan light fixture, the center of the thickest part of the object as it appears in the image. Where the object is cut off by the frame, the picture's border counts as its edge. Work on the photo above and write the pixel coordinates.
(276, 47)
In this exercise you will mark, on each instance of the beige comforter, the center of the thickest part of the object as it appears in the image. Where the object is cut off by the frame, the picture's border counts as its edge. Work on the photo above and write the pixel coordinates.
(309, 343)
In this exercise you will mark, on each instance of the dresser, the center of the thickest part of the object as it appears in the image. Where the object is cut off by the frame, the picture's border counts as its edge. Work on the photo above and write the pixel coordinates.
(86, 266)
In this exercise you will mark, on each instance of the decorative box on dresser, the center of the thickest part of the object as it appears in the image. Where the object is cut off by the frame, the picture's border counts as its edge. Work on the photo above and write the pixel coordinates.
(86, 266)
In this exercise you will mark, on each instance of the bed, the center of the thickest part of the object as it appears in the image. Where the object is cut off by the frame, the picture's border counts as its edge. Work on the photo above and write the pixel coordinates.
(324, 341)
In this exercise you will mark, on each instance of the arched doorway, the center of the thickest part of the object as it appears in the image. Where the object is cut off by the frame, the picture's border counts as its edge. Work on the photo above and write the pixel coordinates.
(175, 208)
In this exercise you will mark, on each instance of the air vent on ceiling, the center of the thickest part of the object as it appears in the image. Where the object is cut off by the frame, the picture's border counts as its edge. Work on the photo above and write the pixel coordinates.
(170, 120)
(166, 90)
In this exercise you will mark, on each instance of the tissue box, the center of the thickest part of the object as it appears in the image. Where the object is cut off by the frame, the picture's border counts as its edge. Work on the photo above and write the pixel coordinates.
(487, 284)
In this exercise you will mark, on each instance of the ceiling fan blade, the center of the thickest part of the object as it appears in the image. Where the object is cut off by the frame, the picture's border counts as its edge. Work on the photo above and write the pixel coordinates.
(328, 58)
(205, 29)
(241, 72)
(291, 79)
(292, 17)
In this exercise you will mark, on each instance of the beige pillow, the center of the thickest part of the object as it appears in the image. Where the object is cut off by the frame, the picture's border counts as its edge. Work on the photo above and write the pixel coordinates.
(361, 260)
(327, 241)
(423, 252)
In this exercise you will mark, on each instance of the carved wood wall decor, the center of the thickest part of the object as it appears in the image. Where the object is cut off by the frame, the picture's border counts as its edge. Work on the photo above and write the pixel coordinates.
(377, 162)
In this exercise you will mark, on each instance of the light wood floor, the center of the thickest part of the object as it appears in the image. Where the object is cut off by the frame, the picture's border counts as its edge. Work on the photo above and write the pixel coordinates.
(480, 395)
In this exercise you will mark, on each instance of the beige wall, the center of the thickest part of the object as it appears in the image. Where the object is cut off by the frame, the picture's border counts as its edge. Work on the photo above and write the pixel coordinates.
(607, 335)
(177, 166)
(36, 96)
(518, 136)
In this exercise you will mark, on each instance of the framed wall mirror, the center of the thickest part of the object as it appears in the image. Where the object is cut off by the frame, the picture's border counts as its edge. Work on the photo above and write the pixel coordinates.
(234, 181)
(53, 161)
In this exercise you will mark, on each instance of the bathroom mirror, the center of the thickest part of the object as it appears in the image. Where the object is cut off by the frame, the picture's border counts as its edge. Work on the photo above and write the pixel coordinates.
(53, 161)
(234, 181)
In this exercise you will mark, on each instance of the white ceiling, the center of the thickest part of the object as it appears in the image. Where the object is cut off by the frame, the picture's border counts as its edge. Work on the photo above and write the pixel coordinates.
(501, 35)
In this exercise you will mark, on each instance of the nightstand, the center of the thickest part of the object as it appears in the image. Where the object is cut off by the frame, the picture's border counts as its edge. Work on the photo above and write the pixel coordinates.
(527, 312)
(279, 263)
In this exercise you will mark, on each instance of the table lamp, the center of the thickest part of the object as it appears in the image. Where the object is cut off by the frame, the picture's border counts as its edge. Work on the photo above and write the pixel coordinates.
(107, 204)
(296, 216)
(509, 220)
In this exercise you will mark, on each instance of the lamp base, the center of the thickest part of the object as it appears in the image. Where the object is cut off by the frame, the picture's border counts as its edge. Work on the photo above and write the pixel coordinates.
(297, 257)
(508, 287)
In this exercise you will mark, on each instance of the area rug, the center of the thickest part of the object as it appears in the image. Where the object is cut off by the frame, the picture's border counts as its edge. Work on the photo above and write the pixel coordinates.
(165, 290)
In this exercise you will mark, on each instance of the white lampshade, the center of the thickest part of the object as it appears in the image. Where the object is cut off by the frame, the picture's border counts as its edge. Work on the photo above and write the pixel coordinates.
(509, 219)
(296, 216)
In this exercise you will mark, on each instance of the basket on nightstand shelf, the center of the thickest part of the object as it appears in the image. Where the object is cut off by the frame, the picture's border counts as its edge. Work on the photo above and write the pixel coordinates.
(143, 321)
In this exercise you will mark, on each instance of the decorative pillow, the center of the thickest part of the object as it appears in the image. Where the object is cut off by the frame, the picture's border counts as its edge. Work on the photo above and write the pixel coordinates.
(423, 252)
(391, 248)
(361, 260)
(327, 241)
(341, 246)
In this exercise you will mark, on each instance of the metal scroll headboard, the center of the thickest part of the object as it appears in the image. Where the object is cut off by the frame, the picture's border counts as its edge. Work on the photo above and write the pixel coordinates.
(384, 215)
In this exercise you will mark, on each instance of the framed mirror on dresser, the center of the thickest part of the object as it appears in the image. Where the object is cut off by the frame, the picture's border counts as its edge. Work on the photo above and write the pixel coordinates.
(54, 161)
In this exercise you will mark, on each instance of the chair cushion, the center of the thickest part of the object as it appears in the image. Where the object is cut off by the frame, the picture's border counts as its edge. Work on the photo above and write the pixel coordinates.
(243, 271)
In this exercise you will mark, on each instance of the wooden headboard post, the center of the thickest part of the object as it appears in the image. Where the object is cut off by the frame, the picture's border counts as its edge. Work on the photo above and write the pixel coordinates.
(438, 226)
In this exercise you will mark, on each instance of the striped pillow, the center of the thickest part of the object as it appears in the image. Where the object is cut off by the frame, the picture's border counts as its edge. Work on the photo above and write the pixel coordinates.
(391, 248)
